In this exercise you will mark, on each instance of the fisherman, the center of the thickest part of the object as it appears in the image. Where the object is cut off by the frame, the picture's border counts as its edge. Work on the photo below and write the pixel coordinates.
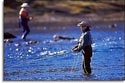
(84, 45)
(23, 19)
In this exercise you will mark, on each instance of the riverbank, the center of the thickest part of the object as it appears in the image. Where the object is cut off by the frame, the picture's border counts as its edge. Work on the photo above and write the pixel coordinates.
(59, 20)
(66, 13)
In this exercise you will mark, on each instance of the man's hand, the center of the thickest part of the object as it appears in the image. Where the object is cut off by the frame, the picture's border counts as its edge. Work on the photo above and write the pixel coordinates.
(30, 18)
(74, 49)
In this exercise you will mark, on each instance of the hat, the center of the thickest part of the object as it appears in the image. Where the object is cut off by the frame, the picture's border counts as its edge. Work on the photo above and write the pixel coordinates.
(84, 23)
(25, 5)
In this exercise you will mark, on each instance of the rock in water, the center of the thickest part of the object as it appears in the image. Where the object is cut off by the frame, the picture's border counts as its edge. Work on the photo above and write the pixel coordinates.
(8, 35)
(8, 41)
(31, 42)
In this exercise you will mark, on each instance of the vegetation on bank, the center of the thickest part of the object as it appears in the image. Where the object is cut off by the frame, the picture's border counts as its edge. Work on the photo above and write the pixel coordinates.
(50, 10)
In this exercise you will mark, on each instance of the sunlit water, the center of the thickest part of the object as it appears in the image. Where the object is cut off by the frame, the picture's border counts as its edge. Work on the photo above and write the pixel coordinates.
(45, 59)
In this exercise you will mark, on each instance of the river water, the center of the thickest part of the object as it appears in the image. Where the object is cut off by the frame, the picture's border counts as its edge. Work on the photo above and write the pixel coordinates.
(45, 59)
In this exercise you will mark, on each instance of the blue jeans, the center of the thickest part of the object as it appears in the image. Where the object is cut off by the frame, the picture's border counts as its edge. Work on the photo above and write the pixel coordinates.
(24, 24)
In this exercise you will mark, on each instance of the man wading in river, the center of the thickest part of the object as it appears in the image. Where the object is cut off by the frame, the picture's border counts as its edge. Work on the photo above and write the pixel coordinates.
(84, 45)
(23, 19)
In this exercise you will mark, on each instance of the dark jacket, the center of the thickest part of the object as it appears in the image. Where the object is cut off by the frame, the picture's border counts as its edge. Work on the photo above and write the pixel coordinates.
(84, 40)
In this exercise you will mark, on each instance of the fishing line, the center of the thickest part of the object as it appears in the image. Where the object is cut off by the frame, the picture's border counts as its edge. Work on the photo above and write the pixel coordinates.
(75, 63)
(46, 57)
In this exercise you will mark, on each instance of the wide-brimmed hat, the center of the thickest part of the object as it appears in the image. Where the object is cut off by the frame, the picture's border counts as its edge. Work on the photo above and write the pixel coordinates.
(83, 23)
(25, 5)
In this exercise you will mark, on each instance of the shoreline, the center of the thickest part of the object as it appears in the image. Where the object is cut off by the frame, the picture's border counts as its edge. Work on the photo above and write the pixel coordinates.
(39, 23)
(67, 19)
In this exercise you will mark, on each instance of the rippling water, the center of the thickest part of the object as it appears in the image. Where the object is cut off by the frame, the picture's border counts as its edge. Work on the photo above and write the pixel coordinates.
(44, 59)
